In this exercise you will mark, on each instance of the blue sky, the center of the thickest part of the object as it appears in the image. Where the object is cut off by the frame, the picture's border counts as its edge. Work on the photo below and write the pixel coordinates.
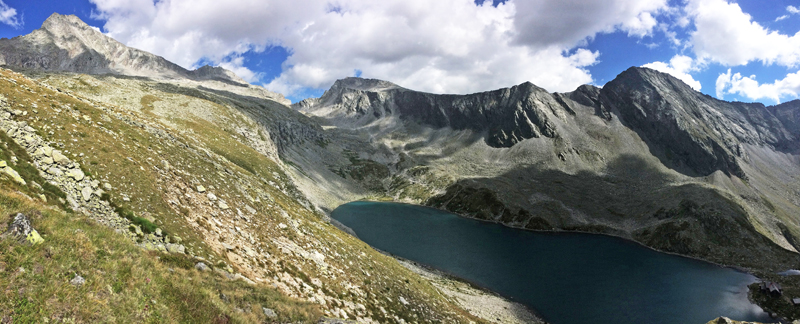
(457, 46)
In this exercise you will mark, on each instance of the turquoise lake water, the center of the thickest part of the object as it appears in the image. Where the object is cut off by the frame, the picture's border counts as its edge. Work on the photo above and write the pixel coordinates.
(566, 278)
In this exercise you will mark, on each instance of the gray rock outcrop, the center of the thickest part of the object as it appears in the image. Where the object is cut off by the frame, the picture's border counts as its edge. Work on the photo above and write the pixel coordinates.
(21, 228)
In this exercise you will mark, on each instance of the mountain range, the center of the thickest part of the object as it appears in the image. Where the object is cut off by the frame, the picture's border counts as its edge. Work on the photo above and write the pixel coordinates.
(644, 157)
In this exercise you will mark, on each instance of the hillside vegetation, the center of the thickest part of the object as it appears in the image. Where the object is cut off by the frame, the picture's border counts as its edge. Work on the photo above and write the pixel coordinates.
(179, 172)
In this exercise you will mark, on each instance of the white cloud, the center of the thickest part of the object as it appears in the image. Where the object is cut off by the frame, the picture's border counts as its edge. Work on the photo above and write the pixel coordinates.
(452, 46)
(8, 16)
(727, 35)
(569, 22)
(679, 66)
(728, 83)
(792, 10)
(235, 64)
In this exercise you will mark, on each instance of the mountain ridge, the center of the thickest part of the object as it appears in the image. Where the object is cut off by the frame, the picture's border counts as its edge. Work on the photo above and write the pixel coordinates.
(246, 181)
(703, 156)
(644, 157)
(65, 43)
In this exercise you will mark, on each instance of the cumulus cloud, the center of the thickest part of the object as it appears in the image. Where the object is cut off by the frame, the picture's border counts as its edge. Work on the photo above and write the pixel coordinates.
(8, 16)
(569, 22)
(728, 83)
(446, 46)
(727, 35)
(235, 64)
(679, 66)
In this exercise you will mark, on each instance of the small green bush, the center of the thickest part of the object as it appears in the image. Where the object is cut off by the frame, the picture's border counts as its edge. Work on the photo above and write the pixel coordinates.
(146, 225)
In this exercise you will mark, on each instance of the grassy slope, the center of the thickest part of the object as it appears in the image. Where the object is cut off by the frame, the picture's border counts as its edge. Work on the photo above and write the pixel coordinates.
(124, 145)
(123, 283)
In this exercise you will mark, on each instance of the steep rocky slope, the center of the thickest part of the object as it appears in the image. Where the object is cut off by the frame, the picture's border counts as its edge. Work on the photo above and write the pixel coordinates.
(645, 157)
(190, 170)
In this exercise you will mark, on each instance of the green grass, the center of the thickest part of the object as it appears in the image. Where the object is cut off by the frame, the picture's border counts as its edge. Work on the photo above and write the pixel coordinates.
(123, 283)
(128, 156)
(147, 226)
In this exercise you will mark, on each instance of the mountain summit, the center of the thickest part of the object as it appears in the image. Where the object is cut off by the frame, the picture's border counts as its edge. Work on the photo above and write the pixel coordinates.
(64, 43)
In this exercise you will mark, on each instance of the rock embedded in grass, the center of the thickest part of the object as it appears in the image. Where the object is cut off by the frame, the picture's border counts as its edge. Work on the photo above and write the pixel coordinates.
(269, 313)
(77, 281)
(21, 228)
(201, 266)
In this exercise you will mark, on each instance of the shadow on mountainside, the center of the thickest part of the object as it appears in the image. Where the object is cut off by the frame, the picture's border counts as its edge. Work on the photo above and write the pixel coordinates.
(632, 199)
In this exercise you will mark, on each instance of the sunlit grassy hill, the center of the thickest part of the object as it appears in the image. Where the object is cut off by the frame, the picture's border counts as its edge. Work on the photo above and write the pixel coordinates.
(178, 167)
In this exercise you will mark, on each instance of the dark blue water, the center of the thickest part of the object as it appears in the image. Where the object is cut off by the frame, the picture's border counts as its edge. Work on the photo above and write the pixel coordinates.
(568, 278)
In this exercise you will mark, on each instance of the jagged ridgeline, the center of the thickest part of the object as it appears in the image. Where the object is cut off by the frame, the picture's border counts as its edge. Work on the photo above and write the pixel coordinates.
(644, 157)
(161, 196)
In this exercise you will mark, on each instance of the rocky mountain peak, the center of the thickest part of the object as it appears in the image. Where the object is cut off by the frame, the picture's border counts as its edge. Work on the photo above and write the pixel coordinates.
(207, 72)
(364, 84)
(67, 44)
(57, 22)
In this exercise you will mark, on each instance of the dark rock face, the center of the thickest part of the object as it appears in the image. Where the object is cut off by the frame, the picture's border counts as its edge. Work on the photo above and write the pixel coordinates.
(689, 131)
(789, 115)
(508, 116)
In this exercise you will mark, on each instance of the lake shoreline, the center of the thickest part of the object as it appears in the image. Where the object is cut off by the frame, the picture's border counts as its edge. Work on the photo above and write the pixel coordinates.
(432, 274)
(561, 231)
(753, 273)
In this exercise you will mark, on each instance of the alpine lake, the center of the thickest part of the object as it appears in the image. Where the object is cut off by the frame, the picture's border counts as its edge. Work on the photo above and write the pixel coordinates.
(566, 278)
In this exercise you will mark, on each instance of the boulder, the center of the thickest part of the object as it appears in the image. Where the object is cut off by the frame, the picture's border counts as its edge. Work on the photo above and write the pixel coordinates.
(21, 228)
(136, 229)
(201, 189)
(13, 174)
(86, 193)
(60, 158)
(176, 248)
(201, 266)
(269, 313)
(76, 174)
(55, 171)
